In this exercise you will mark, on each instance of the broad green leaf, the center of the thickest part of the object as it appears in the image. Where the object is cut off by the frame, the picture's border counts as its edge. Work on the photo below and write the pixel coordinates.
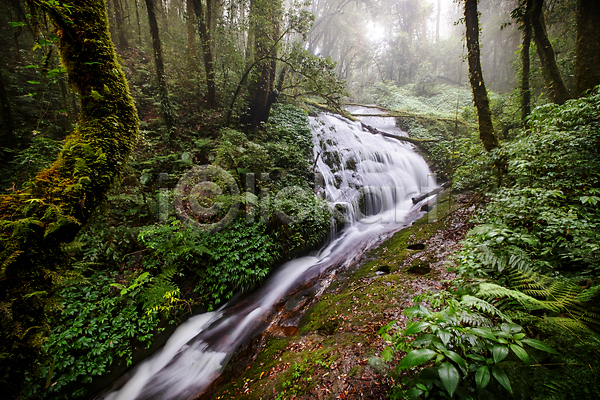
(501, 377)
(415, 327)
(499, 352)
(482, 377)
(540, 346)
(414, 393)
(424, 340)
(445, 335)
(458, 360)
(483, 332)
(449, 376)
(521, 353)
(476, 357)
(416, 357)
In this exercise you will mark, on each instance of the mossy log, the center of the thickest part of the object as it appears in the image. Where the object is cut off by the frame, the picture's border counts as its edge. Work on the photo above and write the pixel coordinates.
(51, 208)
(416, 142)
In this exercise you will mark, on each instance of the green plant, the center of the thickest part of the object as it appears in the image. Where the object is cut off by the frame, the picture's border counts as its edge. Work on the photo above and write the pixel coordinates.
(95, 327)
(453, 357)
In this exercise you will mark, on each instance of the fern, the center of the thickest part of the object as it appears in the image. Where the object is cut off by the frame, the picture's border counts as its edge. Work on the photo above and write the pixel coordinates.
(161, 286)
(483, 306)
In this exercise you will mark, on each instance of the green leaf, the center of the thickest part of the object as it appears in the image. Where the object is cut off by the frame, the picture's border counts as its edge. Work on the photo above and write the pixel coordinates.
(34, 82)
(501, 377)
(416, 357)
(449, 376)
(458, 360)
(482, 377)
(499, 352)
(415, 327)
(387, 354)
(483, 332)
(540, 346)
(445, 335)
(521, 353)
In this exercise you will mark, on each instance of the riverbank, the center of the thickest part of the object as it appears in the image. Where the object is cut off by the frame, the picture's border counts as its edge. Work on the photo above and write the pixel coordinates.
(332, 352)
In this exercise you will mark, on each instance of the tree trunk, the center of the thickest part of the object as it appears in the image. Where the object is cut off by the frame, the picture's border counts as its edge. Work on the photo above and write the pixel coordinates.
(137, 18)
(525, 60)
(160, 68)
(205, 37)
(123, 43)
(482, 103)
(191, 36)
(51, 209)
(7, 139)
(587, 54)
(437, 21)
(265, 15)
(558, 90)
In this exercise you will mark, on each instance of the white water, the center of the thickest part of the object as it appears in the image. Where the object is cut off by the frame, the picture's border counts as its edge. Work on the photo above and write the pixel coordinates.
(384, 172)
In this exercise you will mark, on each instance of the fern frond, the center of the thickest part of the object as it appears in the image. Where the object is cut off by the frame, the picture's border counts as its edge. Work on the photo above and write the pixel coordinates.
(483, 306)
(569, 323)
(490, 290)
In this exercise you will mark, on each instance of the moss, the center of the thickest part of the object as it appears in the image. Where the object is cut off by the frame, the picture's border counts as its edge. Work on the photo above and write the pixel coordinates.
(52, 208)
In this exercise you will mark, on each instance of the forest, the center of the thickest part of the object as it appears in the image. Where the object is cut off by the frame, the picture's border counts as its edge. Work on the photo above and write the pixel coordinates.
(300, 199)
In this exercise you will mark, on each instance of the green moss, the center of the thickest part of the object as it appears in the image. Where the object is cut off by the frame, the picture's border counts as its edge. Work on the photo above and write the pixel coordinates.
(53, 207)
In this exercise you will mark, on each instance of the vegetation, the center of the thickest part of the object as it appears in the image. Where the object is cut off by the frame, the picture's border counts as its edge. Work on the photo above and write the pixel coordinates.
(156, 177)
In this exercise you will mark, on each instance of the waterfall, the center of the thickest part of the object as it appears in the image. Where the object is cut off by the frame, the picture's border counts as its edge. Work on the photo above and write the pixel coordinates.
(369, 180)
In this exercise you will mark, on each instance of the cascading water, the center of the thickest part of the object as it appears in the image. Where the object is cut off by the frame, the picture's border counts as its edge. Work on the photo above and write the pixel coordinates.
(369, 180)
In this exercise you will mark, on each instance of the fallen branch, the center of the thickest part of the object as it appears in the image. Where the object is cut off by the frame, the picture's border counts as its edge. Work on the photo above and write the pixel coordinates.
(437, 190)
(375, 131)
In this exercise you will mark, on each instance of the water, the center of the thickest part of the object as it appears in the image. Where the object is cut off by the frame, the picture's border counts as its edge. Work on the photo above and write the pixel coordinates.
(369, 180)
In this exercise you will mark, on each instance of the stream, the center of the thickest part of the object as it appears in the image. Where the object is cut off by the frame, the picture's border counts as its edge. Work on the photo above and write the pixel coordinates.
(369, 180)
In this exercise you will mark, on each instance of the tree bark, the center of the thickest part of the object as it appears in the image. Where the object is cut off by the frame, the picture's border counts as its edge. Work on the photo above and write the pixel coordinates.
(137, 18)
(265, 15)
(525, 61)
(7, 138)
(206, 37)
(558, 90)
(123, 43)
(587, 53)
(480, 97)
(167, 110)
(51, 209)
(191, 36)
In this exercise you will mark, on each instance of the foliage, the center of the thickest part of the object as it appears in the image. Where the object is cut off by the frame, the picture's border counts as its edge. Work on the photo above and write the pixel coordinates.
(458, 357)
(547, 214)
(94, 328)
(237, 258)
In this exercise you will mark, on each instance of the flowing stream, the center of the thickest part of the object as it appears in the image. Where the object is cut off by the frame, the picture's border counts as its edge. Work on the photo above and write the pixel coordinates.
(369, 180)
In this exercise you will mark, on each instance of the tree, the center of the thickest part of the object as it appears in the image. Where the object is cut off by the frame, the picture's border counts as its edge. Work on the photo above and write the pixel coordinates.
(523, 15)
(587, 55)
(556, 86)
(480, 97)
(7, 139)
(167, 109)
(265, 16)
(51, 209)
(204, 19)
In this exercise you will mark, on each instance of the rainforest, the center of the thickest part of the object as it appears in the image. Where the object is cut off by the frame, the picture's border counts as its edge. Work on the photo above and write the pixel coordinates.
(300, 199)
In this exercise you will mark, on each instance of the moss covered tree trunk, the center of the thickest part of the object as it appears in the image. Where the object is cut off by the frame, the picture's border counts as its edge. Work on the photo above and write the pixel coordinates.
(557, 88)
(525, 61)
(52, 208)
(163, 92)
(480, 97)
(587, 48)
